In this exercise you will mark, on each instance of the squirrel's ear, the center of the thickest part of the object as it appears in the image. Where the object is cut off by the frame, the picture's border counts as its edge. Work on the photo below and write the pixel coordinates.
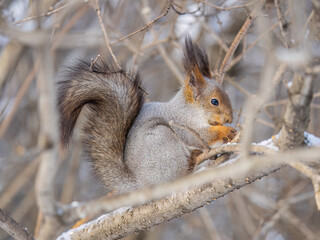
(194, 57)
(197, 67)
(196, 82)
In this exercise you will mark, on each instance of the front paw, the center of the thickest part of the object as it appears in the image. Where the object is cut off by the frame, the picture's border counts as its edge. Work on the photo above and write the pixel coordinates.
(229, 134)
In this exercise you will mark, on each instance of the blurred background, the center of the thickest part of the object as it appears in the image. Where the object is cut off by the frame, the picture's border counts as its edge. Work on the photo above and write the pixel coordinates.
(50, 35)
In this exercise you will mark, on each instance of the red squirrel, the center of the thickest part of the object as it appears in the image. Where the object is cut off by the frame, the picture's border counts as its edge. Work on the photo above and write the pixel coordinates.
(131, 143)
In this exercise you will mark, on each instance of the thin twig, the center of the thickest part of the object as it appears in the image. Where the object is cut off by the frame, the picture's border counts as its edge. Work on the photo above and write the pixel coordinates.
(93, 61)
(309, 19)
(234, 46)
(146, 26)
(313, 175)
(6, 122)
(316, 186)
(283, 24)
(209, 224)
(9, 59)
(58, 38)
(238, 117)
(173, 4)
(106, 38)
(227, 8)
(45, 14)
(13, 228)
(241, 89)
(25, 205)
(282, 211)
(38, 224)
(303, 168)
(241, 55)
(170, 63)
(279, 73)
(8, 194)
(215, 36)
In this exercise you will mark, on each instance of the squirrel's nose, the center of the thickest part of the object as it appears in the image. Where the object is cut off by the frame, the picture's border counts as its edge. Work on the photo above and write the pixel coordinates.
(229, 119)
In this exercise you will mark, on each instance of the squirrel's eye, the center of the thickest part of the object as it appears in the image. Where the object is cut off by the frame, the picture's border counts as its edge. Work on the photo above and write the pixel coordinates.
(215, 102)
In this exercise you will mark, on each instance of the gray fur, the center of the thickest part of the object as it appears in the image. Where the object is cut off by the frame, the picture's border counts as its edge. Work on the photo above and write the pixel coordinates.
(114, 99)
(158, 152)
(132, 144)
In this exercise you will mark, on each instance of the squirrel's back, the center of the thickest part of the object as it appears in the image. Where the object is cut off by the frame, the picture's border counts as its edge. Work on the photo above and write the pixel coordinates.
(114, 99)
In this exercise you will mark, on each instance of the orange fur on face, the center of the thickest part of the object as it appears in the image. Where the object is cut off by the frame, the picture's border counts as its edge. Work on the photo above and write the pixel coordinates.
(187, 91)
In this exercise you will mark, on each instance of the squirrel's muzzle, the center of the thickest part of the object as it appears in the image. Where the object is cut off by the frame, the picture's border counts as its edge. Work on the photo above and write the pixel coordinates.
(228, 118)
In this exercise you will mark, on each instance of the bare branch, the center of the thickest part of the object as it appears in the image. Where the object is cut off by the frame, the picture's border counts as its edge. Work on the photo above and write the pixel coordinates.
(167, 59)
(93, 61)
(241, 55)
(18, 182)
(227, 8)
(13, 228)
(73, 213)
(167, 8)
(283, 24)
(5, 124)
(313, 175)
(48, 141)
(297, 116)
(267, 67)
(45, 14)
(234, 46)
(316, 186)
(190, 193)
(9, 58)
(106, 38)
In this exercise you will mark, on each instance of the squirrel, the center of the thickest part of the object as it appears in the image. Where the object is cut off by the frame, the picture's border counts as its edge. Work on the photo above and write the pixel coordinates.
(131, 143)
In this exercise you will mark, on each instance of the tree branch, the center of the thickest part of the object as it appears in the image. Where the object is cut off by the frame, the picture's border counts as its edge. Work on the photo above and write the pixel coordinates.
(13, 228)
(234, 46)
(185, 195)
(106, 38)
(72, 213)
(283, 24)
(297, 115)
(48, 141)
(5, 123)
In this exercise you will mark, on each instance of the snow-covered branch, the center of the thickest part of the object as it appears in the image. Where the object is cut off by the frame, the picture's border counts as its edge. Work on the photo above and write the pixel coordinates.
(183, 195)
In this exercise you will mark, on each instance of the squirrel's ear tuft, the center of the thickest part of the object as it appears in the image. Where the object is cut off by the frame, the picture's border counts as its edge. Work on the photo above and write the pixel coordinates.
(195, 59)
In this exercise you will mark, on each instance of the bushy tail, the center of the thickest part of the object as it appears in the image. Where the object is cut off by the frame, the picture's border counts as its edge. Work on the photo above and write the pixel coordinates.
(114, 99)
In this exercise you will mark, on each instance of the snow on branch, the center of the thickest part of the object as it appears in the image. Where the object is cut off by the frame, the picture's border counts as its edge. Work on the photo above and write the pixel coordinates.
(183, 195)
